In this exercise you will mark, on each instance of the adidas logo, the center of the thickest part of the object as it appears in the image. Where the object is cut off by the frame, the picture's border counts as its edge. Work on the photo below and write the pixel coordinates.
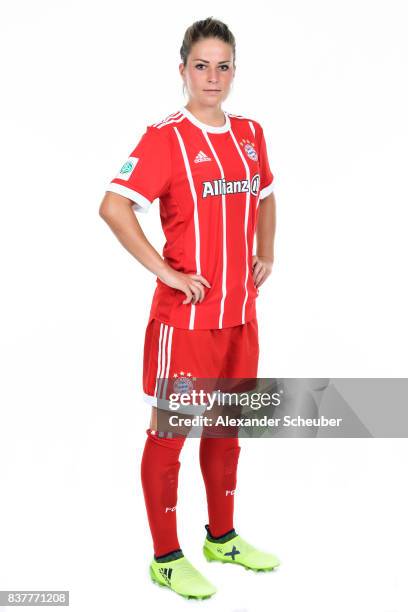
(233, 553)
(201, 157)
(166, 572)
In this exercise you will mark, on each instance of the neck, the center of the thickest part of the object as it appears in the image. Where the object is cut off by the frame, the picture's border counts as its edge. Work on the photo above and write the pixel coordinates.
(211, 115)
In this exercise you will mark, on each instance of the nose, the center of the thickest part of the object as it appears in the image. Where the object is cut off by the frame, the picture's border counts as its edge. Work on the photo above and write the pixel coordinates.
(212, 75)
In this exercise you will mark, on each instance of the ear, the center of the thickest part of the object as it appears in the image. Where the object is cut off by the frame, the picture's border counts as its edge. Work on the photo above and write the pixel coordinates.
(181, 68)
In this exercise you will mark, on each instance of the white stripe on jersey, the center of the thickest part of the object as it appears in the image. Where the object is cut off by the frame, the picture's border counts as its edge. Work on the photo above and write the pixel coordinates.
(224, 234)
(171, 121)
(251, 125)
(247, 200)
(196, 222)
(173, 115)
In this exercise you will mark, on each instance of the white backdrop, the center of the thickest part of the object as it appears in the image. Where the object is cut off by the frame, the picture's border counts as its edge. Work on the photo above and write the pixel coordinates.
(80, 81)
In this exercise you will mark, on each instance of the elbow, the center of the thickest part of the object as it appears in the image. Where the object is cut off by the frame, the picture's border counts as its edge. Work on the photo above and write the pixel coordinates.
(112, 206)
(103, 211)
(106, 209)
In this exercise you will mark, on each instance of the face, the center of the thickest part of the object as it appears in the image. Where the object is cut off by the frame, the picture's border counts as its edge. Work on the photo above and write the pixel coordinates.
(209, 72)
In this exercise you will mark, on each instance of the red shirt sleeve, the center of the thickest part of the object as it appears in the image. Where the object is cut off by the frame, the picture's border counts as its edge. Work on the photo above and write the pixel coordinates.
(146, 174)
(267, 178)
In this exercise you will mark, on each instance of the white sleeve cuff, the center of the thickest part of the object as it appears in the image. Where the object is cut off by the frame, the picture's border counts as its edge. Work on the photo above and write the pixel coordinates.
(140, 203)
(267, 190)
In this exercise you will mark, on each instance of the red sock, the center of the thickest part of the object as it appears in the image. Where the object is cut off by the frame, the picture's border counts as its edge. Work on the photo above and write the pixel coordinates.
(159, 471)
(219, 462)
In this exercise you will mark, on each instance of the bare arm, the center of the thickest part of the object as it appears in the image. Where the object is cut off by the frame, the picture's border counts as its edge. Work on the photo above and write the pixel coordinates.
(265, 237)
(117, 212)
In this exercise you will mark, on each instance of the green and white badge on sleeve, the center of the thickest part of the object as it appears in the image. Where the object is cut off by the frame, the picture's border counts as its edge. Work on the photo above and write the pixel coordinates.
(127, 168)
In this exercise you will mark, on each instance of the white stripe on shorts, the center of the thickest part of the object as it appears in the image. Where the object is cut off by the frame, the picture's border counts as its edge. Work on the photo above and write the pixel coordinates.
(163, 357)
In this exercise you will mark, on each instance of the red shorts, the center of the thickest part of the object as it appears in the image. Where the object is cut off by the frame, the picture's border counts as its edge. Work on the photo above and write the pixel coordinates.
(175, 353)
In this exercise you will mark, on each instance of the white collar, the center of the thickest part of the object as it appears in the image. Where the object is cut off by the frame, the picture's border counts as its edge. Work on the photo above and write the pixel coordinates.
(203, 126)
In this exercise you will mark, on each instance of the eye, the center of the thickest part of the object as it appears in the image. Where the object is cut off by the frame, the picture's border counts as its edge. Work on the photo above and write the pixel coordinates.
(199, 66)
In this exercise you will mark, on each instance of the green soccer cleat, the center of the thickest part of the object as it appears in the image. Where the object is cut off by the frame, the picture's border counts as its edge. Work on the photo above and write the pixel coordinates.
(182, 577)
(236, 550)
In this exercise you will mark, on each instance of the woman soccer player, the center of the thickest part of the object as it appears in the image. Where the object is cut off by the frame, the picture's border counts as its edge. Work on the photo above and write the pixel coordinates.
(209, 169)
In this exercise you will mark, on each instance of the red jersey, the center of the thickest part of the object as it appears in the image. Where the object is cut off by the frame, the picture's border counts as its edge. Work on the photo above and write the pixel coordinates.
(209, 181)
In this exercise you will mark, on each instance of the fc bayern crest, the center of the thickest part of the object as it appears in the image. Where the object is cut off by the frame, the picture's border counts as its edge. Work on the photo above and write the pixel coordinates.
(249, 148)
(183, 382)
